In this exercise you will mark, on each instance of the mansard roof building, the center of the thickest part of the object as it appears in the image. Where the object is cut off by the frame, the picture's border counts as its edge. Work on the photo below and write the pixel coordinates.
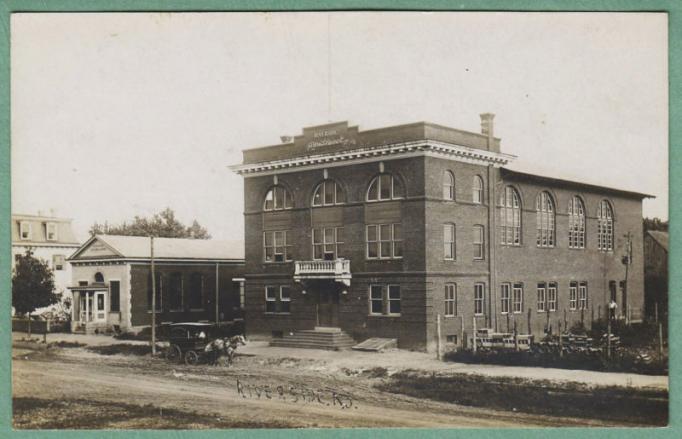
(380, 232)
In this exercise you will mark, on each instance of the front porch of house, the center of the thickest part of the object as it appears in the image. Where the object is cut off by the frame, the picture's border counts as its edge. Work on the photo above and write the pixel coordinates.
(91, 310)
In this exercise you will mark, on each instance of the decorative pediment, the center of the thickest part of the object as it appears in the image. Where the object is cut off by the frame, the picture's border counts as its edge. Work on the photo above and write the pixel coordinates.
(95, 248)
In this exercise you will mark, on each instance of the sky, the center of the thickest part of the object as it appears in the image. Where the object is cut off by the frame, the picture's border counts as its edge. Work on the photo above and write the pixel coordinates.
(123, 114)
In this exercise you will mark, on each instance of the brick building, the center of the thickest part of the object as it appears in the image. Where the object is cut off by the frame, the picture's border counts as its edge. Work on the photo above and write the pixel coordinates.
(378, 232)
(196, 280)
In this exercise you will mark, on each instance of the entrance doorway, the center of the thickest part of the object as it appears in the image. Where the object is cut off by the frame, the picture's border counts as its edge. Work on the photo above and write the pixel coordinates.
(92, 305)
(328, 307)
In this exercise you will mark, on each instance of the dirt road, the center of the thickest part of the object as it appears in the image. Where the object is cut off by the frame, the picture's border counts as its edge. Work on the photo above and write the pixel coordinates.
(255, 392)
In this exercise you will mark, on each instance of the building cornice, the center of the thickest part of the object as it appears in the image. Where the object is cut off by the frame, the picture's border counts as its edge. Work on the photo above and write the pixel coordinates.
(373, 154)
(95, 261)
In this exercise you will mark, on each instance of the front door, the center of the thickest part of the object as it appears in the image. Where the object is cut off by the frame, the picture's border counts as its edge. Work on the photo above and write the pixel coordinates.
(86, 306)
(100, 314)
(328, 308)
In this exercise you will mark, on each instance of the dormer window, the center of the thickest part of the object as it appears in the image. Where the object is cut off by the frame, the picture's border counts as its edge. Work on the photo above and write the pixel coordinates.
(385, 187)
(25, 230)
(51, 231)
(278, 198)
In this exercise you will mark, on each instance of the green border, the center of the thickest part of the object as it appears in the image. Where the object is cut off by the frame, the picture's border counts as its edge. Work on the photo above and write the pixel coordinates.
(674, 9)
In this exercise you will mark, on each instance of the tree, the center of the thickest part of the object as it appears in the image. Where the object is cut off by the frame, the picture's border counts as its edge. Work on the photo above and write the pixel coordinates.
(162, 224)
(655, 224)
(32, 285)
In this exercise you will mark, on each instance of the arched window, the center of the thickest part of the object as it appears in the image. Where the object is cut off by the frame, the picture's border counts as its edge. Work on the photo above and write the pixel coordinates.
(510, 217)
(385, 187)
(544, 206)
(448, 186)
(605, 226)
(328, 193)
(576, 223)
(278, 198)
(99, 278)
(478, 189)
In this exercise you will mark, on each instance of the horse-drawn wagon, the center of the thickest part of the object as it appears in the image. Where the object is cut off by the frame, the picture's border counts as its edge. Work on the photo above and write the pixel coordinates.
(199, 343)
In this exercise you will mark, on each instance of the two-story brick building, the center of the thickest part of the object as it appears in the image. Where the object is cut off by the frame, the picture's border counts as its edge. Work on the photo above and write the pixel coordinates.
(378, 232)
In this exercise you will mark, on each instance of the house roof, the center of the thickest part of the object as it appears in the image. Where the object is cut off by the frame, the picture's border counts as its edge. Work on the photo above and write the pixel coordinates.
(535, 177)
(38, 231)
(660, 237)
(138, 247)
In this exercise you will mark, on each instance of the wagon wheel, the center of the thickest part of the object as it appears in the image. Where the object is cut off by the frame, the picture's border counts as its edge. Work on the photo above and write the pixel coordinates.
(173, 353)
(191, 358)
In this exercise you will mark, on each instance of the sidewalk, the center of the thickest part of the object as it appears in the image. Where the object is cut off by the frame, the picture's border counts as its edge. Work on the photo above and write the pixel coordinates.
(397, 360)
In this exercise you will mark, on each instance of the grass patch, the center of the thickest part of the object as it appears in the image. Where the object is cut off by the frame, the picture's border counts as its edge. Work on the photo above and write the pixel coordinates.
(122, 349)
(638, 406)
(36, 413)
(66, 344)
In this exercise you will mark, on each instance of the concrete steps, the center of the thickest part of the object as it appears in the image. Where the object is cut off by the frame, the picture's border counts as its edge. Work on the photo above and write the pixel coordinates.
(319, 338)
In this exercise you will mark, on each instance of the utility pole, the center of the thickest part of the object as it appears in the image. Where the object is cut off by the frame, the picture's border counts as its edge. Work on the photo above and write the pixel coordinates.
(627, 260)
(153, 341)
(217, 294)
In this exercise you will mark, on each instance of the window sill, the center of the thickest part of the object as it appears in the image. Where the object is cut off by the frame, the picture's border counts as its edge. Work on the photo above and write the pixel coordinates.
(277, 263)
(384, 315)
(149, 311)
(176, 310)
(197, 310)
(368, 259)
(479, 259)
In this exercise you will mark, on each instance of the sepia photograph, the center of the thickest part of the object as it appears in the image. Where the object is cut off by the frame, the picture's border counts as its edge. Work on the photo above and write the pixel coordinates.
(339, 219)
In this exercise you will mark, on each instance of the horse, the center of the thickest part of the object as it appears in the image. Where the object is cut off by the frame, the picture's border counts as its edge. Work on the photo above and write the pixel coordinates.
(224, 346)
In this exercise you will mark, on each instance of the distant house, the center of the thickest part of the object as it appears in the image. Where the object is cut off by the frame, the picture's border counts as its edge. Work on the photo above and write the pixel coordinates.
(196, 280)
(51, 239)
(656, 272)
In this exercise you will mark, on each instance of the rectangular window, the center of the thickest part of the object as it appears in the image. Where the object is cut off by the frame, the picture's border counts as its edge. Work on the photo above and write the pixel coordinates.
(196, 291)
(285, 299)
(449, 241)
(551, 297)
(582, 295)
(327, 243)
(517, 298)
(376, 299)
(479, 299)
(175, 292)
(58, 262)
(276, 246)
(450, 300)
(271, 299)
(384, 300)
(394, 299)
(542, 296)
(505, 298)
(573, 296)
(478, 242)
(25, 230)
(51, 231)
(115, 296)
(384, 241)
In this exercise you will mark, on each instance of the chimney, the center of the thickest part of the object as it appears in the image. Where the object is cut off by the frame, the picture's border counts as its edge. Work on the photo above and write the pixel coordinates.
(487, 130)
(286, 139)
(487, 124)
